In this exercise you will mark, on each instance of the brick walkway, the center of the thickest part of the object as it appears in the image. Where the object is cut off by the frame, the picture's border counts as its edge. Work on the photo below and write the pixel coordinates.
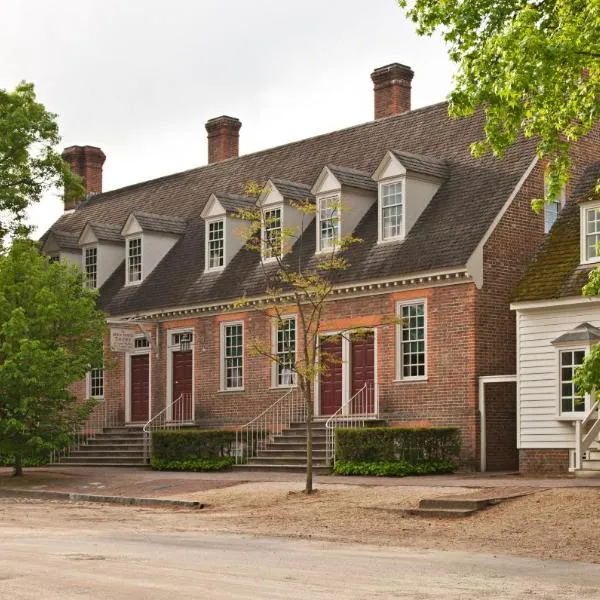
(147, 483)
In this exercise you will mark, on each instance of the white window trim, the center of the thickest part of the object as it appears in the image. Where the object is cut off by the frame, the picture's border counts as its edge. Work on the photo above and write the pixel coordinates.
(84, 250)
(569, 416)
(223, 387)
(263, 232)
(399, 377)
(380, 184)
(583, 232)
(338, 197)
(274, 329)
(88, 385)
(209, 222)
(130, 239)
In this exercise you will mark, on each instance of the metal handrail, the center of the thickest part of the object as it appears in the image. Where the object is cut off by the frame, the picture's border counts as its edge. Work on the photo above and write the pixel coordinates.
(162, 421)
(102, 417)
(259, 431)
(347, 416)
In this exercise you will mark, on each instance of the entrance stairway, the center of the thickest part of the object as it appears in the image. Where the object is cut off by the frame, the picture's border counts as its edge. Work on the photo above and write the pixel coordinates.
(113, 447)
(287, 451)
(590, 464)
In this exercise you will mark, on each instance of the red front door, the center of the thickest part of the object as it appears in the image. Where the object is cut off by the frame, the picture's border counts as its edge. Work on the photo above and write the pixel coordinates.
(332, 376)
(140, 388)
(182, 385)
(362, 364)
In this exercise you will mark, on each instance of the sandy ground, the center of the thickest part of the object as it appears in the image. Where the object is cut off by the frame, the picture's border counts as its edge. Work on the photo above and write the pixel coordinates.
(557, 523)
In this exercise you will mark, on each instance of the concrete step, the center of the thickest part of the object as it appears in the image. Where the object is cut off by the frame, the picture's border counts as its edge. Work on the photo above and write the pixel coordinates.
(284, 461)
(299, 437)
(136, 465)
(102, 460)
(591, 465)
(276, 452)
(587, 473)
(441, 512)
(110, 452)
(296, 445)
(96, 443)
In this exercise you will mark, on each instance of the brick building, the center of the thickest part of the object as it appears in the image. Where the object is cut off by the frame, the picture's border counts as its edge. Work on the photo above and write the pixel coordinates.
(445, 238)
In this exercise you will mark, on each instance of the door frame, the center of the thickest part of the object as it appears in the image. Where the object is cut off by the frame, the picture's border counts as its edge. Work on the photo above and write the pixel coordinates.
(170, 350)
(128, 356)
(346, 371)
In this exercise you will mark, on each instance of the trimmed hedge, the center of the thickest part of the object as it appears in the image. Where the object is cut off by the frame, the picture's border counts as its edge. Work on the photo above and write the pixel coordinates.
(27, 461)
(193, 449)
(398, 468)
(413, 445)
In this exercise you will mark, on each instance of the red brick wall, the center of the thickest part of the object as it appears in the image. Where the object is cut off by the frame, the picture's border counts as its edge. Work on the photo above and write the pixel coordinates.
(544, 461)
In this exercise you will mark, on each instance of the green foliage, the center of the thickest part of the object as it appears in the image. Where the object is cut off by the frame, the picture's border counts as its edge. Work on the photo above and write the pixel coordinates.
(412, 445)
(50, 334)
(533, 66)
(29, 163)
(36, 460)
(192, 464)
(396, 468)
(192, 445)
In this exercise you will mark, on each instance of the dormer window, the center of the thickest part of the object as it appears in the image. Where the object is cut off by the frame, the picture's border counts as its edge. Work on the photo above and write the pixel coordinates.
(391, 209)
(90, 266)
(552, 208)
(590, 233)
(134, 260)
(329, 222)
(215, 257)
(271, 234)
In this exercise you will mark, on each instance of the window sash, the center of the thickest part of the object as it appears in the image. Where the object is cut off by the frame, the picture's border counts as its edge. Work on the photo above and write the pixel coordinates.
(97, 383)
(412, 341)
(233, 356)
(392, 209)
(91, 267)
(272, 233)
(134, 260)
(592, 232)
(329, 222)
(285, 351)
(571, 400)
(216, 244)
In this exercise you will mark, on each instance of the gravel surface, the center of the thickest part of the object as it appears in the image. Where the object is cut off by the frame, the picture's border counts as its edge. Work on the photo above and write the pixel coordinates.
(558, 523)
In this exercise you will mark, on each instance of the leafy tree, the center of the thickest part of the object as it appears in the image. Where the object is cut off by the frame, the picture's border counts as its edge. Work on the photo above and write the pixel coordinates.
(50, 334)
(532, 65)
(303, 289)
(29, 163)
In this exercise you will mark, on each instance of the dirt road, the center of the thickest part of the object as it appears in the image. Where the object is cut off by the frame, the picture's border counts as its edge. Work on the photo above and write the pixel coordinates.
(55, 551)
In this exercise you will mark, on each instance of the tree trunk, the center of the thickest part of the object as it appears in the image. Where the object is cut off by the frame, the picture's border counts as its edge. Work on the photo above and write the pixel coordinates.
(309, 443)
(18, 466)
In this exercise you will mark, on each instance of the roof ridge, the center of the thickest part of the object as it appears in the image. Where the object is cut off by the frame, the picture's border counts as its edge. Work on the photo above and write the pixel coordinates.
(98, 198)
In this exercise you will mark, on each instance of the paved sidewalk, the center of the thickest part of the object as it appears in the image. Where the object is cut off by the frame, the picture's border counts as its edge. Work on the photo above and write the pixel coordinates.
(145, 483)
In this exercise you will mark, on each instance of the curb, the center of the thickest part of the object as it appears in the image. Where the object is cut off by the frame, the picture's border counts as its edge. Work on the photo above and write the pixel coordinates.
(76, 497)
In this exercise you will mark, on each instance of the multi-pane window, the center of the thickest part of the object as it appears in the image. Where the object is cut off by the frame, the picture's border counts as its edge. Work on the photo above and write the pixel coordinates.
(134, 260)
(285, 351)
(233, 356)
(91, 266)
(216, 244)
(412, 342)
(183, 340)
(272, 233)
(592, 232)
(97, 383)
(391, 210)
(141, 342)
(571, 399)
(329, 222)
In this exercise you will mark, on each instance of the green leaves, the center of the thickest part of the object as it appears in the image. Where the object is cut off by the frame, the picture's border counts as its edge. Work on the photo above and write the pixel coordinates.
(29, 163)
(50, 332)
(533, 67)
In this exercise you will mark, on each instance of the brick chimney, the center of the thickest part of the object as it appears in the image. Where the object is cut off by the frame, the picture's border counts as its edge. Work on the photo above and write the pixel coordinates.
(392, 89)
(85, 161)
(223, 138)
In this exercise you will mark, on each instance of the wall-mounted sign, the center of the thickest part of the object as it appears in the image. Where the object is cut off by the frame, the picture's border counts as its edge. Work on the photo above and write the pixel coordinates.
(122, 340)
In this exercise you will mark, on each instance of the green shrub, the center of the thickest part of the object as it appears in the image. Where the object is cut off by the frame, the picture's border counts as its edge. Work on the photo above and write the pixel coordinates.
(413, 445)
(192, 464)
(27, 461)
(398, 468)
(181, 445)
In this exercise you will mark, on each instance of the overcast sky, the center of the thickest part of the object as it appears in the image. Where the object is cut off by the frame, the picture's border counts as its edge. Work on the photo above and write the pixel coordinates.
(139, 78)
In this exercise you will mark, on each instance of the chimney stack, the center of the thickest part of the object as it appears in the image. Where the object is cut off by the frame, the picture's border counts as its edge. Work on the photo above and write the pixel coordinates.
(85, 161)
(392, 89)
(223, 138)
